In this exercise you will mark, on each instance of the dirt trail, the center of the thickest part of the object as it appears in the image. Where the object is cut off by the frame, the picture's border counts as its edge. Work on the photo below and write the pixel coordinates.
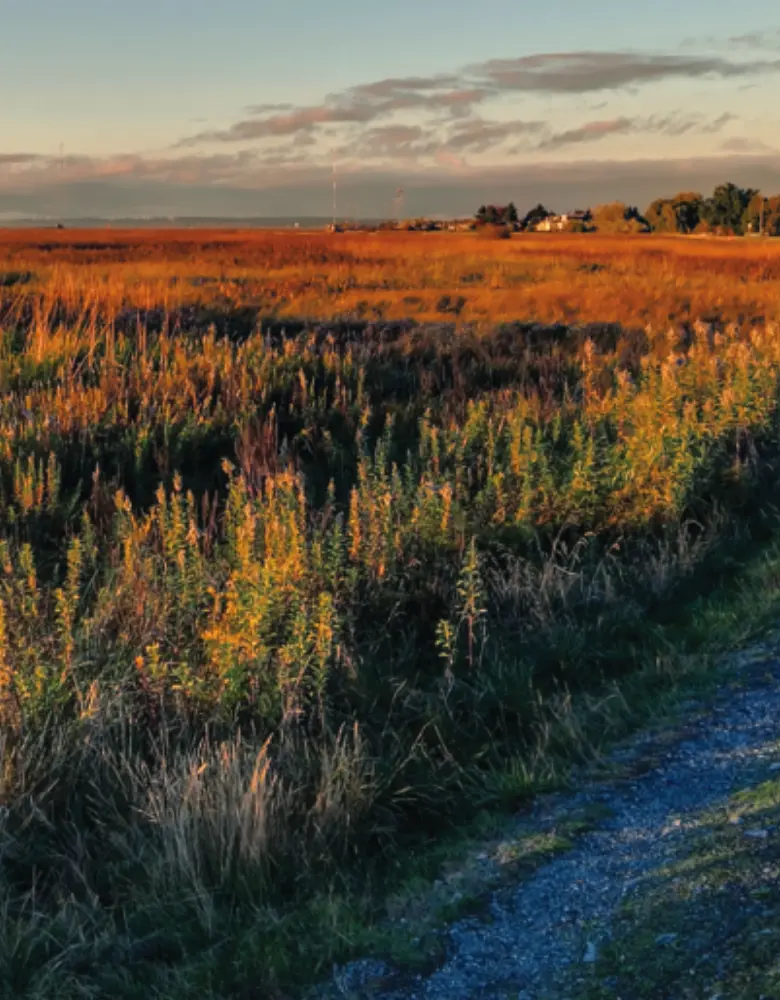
(559, 933)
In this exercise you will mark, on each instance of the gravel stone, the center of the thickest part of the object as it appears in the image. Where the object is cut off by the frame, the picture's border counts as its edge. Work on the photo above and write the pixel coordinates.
(537, 931)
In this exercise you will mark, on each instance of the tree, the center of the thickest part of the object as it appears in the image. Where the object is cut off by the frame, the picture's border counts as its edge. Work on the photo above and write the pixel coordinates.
(680, 214)
(661, 216)
(490, 215)
(725, 209)
(617, 217)
(687, 210)
(632, 214)
(762, 210)
(536, 215)
(510, 213)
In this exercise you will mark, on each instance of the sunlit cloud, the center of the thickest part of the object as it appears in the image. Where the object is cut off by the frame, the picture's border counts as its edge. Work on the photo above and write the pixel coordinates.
(459, 95)
(538, 112)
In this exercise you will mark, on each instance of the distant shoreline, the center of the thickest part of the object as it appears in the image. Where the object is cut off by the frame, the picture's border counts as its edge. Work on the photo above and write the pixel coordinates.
(182, 222)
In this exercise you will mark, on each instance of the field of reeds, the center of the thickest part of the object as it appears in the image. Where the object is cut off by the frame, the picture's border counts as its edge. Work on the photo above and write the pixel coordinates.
(314, 546)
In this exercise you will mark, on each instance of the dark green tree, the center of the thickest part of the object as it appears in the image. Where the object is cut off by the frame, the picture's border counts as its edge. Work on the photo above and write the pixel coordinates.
(680, 214)
(687, 211)
(490, 215)
(763, 215)
(725, 210)
(535, 216)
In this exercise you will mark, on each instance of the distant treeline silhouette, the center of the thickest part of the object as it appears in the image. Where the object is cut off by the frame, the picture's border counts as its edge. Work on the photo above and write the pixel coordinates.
(730, 209)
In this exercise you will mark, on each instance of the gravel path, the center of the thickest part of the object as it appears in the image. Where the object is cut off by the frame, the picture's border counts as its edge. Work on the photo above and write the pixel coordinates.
(538, 934)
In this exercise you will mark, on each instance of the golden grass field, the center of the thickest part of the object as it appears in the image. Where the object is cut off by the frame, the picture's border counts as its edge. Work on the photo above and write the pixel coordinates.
(542, 277)
(314, 547)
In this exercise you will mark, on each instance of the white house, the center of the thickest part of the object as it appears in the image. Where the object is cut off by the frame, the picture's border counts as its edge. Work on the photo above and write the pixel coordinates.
(553, 223)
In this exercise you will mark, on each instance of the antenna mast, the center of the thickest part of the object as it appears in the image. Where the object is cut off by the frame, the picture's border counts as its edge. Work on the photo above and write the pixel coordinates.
(398, 203)
(62, 182)
(334, 194)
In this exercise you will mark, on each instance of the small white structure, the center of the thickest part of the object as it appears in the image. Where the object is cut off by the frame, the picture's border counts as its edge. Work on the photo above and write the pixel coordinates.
(558, 223)
(552, 224)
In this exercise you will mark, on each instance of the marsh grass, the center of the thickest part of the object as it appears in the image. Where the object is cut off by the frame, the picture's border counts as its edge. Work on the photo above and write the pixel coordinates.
(282, 602)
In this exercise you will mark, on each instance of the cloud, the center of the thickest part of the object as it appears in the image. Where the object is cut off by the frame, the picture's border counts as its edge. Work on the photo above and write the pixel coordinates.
(18, 159)
(717, 123)
(590, 72)
(458, 95)
(414, 147)
(217, 169)
(448, 146)
(589, 132)
(393, 86)
(744, 144)
(359, 105)
(450, 161)
(282, 124)
(265, 109)
(304, 190)
(385, 141)
(478, 136)
(394, 130)
(670, 125)
(768, 40)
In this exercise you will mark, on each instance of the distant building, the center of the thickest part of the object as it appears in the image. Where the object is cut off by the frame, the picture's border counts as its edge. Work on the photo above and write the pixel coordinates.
(559, 223)
(553, 223)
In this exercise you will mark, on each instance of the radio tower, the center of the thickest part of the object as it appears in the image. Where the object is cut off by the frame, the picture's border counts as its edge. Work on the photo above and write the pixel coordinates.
(334, 195)
(61, 164)
(398, 203)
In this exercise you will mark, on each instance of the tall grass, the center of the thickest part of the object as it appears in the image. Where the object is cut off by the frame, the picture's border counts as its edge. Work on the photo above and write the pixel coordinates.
(549, 278)
(273, 602)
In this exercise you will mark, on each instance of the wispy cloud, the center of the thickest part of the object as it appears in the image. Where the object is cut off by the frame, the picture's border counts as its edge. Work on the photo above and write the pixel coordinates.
(360, 105)
(18, 159)
(589, 132)
(266, 109)
(763, 40)
(218, 169)
(534, 110)
(412, 147)
(479, 136)
(590, 72)
(670, 125)
(460, 94)
(767, 40)
(305, 190)
(745, 145)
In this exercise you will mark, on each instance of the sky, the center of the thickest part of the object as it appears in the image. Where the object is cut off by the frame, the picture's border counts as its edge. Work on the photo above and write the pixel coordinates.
(187, 107)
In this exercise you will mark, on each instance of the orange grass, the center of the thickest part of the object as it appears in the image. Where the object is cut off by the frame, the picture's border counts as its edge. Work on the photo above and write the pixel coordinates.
(280, 601)
(426, 276)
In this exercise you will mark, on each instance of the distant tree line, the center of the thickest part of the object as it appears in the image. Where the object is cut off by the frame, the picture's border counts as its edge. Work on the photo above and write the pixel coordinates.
(730, 209)
(497, 215)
